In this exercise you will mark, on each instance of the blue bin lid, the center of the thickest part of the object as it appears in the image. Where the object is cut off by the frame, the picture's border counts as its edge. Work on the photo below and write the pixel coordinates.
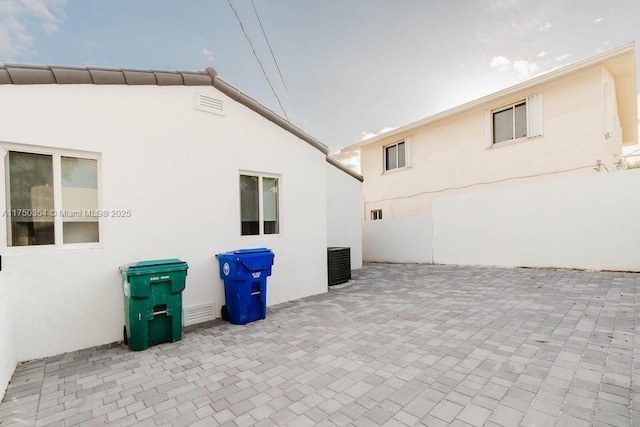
(251, 251)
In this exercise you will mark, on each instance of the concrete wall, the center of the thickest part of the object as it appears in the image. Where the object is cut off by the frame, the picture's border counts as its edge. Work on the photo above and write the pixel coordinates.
(344, 213)
(404, 240)
(177, 170)
(586, 222)
(450, 155)
(8, 359)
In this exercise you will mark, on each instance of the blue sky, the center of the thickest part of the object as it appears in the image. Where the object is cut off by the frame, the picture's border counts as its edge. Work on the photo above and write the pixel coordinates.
(352, 67)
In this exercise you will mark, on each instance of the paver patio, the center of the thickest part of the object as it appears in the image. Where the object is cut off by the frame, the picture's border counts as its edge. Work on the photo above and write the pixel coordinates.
(399, 345)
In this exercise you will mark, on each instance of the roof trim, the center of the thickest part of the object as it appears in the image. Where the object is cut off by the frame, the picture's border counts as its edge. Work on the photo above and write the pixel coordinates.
(344, 168)
(251, 103)
(593, 60)
(20, 74)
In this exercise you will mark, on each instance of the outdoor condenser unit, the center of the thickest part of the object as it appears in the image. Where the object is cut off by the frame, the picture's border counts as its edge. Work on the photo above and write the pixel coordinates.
(339, 265)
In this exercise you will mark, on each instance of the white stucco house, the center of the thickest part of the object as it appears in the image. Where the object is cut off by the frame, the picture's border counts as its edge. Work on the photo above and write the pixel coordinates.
(568, 122)
(105, 167)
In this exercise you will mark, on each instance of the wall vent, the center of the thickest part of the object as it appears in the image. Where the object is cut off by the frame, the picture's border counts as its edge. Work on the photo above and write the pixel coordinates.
(209, 104)
(339, 265)
(198, 314)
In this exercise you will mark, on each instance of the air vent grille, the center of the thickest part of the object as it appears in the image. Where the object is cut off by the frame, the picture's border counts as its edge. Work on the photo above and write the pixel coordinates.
(339, 265)
(209, 104)
(198, 314)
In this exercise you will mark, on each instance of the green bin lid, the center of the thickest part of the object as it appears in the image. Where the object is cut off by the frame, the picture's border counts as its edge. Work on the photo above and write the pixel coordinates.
(155, 262)
(141, 266)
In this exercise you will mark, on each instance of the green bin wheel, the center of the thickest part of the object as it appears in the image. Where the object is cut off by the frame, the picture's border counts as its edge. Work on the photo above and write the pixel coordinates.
(225, 313)
(124, 334)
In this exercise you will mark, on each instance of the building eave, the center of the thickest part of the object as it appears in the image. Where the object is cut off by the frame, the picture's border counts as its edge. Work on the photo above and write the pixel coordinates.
(20, 74)
(344, 168)
(603, 58)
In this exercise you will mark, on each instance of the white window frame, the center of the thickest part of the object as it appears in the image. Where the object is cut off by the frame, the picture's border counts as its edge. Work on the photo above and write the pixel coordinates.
(376, 214)
(407, 155)
(533, 117)
(56, 155)
(260, 176)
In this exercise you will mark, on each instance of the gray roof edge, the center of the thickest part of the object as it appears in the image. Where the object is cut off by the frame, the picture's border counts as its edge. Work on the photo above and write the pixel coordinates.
(344, 168)
(254, 105)
(34, 74)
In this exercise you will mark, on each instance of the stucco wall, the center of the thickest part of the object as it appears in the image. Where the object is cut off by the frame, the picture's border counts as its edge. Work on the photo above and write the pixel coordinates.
(344, 213)
(586, 222)
(449, 156)
(403, 240)
(177, 170)
(8, 359)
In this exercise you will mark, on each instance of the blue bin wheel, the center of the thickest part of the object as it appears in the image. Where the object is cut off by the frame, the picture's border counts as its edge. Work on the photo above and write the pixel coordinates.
(225, 313)
(124, 333)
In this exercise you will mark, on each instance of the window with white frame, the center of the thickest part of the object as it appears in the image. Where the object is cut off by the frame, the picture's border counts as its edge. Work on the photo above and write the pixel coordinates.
(510, 122)
(376, 214)
(259, 204)
(521, 119)
(395, 156)
(52, 198)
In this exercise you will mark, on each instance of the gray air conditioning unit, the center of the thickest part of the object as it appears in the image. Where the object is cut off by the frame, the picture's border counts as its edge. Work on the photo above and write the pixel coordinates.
(339, 265)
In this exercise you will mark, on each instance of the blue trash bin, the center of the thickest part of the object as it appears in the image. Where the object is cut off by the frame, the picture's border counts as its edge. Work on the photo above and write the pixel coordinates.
(245, 273)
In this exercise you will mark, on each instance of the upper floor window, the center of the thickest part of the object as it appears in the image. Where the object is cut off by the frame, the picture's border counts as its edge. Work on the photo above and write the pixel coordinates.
(522, 119)
(376, 214)
(51, 199)
(395, 156)
(510, 122)
(259, 204)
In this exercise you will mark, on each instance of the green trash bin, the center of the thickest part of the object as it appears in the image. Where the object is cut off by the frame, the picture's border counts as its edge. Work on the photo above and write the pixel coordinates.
(153, 302)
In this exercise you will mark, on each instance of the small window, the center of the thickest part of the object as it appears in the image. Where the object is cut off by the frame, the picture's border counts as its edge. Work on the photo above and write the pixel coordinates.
(395, 156)
(79, 196)
(259, 205)
(33, 213)
(522, 119)
(30, 199)
(376, 214)
(510, 123)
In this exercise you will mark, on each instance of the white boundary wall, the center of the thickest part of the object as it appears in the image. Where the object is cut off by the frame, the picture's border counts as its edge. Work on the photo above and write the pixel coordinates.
(405, 240)
(344, 207)
(8, 358)
(590, 222)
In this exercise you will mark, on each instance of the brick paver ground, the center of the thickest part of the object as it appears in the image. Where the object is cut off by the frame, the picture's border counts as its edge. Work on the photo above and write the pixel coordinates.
(399, 345)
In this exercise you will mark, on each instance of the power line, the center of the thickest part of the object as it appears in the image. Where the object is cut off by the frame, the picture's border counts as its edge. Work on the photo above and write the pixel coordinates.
(258, 59)
(277, 66)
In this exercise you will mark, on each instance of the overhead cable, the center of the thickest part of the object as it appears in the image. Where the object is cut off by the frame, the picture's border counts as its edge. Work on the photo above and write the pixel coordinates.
(277, 66)
(258, 59)
(409, 196)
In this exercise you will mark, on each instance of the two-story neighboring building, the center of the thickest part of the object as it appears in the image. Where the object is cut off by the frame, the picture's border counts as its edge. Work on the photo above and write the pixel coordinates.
(570, 121)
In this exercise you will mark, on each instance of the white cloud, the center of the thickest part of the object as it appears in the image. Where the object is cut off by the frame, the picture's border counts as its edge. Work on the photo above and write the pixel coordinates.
(208, 55)
(542, 54)
(502, 5)
(599, 20)
(523, 68)
(22, 20)
(351, 159)
(526, 69)
(545, 26)
(563, 56)
(368, 135)
(501, 63)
